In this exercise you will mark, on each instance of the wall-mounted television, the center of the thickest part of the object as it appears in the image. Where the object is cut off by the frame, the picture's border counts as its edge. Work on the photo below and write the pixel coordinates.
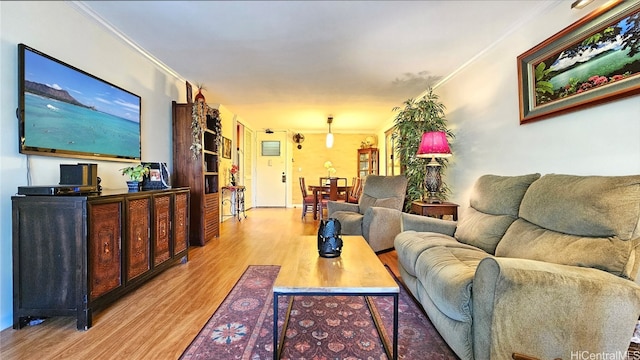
(64, 111)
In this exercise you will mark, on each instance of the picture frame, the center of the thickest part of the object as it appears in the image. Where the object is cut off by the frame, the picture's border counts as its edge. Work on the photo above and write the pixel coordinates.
(189, 93)
(226, 148)
(157, 178)
(593, 61)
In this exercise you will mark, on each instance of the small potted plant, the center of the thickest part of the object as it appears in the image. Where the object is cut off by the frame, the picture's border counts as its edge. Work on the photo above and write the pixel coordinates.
(135, 173)
(232, 172)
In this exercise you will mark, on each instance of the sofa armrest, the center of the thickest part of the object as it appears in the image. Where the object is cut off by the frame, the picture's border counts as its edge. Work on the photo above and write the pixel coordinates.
(550, 310)
(427, 224)
(333, 206)
(380, 227)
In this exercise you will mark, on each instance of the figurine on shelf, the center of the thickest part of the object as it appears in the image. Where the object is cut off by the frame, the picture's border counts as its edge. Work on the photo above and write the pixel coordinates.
(199, 95)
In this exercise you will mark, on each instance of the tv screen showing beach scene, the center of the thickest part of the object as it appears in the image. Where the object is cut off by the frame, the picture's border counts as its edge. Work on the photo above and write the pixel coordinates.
(65, 111)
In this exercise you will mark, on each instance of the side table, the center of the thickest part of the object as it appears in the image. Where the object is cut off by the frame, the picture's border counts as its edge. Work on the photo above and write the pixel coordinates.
(437, 209)
(236, 202)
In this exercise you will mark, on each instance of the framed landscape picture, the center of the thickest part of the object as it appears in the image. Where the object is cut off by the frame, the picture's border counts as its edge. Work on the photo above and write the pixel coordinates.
(593, 61)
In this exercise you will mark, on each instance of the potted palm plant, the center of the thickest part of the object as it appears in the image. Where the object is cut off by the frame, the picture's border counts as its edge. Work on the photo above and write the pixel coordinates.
(417, 117)
(135, 174)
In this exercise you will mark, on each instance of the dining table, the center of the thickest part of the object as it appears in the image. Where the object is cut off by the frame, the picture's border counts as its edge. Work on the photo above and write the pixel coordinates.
(318, 189)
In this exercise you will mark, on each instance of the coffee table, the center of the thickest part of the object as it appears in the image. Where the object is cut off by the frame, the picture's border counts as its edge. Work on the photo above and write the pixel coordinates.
(357, 272)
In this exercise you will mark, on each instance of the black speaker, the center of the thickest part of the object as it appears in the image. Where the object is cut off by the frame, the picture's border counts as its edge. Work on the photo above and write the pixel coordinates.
(329, 241)
(79, 174)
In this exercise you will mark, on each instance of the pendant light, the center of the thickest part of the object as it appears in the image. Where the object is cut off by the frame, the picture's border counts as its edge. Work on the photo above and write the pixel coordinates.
(329, 142)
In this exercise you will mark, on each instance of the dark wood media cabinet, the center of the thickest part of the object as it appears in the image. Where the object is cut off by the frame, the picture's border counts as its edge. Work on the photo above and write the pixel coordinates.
(75, 254)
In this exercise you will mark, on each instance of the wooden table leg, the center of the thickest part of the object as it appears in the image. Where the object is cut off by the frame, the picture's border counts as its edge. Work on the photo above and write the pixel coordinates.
(315, 205)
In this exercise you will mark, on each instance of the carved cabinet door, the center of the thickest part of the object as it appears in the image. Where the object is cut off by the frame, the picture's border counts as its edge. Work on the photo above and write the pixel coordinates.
(181, 222)
(162, 231)
(105, 239)
(138, 242)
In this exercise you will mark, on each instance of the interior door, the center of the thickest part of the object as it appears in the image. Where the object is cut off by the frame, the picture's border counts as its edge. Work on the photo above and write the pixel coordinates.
(246, 156)
(270, 177)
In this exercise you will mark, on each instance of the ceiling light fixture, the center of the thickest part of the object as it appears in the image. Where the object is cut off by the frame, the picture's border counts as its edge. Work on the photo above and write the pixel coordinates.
(579, 4)
(329, 142)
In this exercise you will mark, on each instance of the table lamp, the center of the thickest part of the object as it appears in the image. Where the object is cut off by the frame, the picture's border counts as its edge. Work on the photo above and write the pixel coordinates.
(433, 145)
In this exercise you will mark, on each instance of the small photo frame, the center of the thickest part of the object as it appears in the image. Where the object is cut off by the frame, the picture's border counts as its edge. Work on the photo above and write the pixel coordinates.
(157, 178)
(226, 148)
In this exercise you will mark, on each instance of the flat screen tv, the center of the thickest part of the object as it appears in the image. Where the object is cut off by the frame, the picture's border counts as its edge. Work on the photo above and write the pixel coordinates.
(64, 111)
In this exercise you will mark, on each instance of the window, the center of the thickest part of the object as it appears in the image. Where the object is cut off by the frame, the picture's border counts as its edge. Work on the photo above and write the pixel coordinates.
(270, 148)
(392, 159)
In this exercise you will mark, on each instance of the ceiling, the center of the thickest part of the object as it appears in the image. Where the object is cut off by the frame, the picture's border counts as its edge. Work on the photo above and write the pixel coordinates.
(291, 64)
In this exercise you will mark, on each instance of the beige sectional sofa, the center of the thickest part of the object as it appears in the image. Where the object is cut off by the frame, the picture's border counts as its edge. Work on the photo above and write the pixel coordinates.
(541, 266)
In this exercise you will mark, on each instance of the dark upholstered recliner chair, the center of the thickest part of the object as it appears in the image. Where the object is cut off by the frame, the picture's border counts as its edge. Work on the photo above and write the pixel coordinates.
(377, 215)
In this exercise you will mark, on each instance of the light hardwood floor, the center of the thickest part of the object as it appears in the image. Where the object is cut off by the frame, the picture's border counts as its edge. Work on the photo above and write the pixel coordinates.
(159, 320)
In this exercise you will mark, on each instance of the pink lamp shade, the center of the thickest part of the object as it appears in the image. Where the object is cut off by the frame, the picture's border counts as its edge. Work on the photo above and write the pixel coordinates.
(434, 144)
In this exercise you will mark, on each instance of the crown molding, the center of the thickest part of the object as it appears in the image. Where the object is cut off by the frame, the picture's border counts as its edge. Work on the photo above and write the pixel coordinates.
(82, 8)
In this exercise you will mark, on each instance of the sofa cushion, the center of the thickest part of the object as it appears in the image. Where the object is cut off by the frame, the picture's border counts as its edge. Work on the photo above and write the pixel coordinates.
(589, 221)
(421, 223)
(390, 190)
(350, 222)
(410, 245)
(494, 205)
(482, 230)
(529, 241)
(367, 201)
(585, 205)
(448, 274)
(500, 195)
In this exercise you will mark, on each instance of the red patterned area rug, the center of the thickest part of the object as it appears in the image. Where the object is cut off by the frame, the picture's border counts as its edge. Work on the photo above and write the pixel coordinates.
(320, 327)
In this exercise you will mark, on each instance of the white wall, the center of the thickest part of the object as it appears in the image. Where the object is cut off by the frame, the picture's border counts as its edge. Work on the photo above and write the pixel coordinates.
(482, 110)
(482, 104)
(59, 30)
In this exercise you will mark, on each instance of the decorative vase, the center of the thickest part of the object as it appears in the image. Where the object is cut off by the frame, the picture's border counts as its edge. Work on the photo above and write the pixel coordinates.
(134, 186)
(199, 96)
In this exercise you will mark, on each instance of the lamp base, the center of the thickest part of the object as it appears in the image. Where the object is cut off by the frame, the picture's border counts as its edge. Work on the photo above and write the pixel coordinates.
(432, 199)
(432, 182)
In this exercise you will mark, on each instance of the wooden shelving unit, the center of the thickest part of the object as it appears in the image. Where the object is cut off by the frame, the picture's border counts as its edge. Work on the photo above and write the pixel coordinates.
(198, 171)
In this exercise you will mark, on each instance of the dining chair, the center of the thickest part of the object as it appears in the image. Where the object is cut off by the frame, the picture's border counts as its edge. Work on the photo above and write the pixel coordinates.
(307, 199)
(331, 194)
(356, 190)
(341, 180)
(333, 189)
